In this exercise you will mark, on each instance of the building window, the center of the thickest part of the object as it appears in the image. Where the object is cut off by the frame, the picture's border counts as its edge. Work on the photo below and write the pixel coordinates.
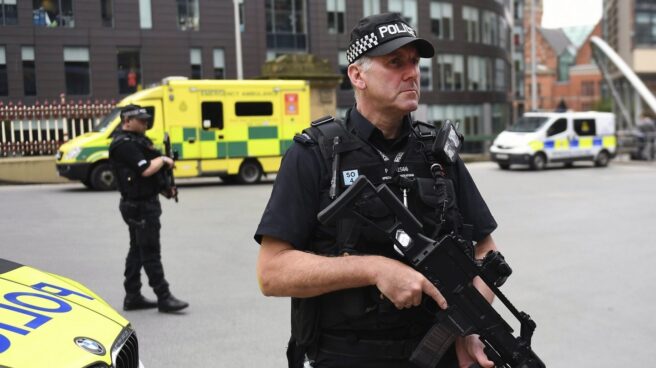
(76, 68)
(4, 88)
(450, 72)
(471, 23)
(504, 33)
(242, 18)
(29, 71)
(195, 59)
(8, 12)
(285, 25)
(343, 69)
(587, 88)
(219, 64)
(335, 10)
(490, 28)
(645, 22)
(442, 20)
(145, 15)
(479, 73)
(565, 61)
(469, 117)
(129, 71)
(426, 70)
(53, 13)
(370, 7)
(107, 13)
(407, 9)
(500, 75)
(188, 15)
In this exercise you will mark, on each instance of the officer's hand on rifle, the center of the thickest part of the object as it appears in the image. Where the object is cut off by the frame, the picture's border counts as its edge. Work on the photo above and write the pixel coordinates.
(469, 350)
(168, 161)
(404, 286)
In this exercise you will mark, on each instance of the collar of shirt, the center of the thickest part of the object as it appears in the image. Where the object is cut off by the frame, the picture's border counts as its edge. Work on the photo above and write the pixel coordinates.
(369, 133)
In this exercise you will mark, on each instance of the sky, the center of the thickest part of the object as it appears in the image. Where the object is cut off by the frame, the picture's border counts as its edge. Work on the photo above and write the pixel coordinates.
(569, 13)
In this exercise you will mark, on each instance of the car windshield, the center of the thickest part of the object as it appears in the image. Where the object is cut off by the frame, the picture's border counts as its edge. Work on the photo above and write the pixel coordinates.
(106, 120)
(528, 124)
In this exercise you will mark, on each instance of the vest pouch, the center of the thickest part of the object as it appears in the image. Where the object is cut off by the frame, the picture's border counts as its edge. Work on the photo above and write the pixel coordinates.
(435, 204)
(305, 320)
(341, 309)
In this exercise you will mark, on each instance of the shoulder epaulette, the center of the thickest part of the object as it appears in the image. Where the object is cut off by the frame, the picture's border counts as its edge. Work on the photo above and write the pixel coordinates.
(424, 130)
(304, 139)
(323, 120)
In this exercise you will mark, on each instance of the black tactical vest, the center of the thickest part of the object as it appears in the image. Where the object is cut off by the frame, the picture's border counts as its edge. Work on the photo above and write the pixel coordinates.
(129, 182)
(431, 200)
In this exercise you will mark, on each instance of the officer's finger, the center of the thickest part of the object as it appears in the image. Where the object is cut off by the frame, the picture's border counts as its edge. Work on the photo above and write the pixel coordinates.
(430, 290)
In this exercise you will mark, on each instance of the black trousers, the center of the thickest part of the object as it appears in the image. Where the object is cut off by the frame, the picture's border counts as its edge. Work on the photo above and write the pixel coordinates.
(142, 218)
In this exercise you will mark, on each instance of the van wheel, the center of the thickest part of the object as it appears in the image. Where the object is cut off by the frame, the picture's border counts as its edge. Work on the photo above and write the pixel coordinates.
(102, 177)
(504, 166)
(250, 172)
(602, 159)
(538, 161)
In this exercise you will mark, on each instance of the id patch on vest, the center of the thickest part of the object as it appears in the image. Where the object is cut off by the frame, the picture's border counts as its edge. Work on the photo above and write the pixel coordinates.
(350, 176)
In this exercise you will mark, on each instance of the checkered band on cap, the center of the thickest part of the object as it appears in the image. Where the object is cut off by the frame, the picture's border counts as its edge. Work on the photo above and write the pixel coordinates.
(361, 46)
(134, 112)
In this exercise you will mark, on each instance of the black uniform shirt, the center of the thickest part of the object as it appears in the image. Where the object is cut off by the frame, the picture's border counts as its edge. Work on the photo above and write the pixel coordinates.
(291, 214)
(131, 154)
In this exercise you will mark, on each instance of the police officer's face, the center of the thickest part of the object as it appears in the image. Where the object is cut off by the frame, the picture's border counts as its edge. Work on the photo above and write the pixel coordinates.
(136, 125)
(392, 81)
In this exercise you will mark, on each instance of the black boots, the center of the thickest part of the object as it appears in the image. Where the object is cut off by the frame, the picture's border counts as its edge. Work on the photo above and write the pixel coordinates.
(169, 303)
(137, 301)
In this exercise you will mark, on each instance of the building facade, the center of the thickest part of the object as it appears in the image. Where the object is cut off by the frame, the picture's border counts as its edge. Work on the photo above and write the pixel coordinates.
(567, 77)
(629, 27)
(107, 49)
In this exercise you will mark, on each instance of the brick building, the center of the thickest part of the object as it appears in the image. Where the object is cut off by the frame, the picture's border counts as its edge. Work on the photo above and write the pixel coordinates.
(566, 74)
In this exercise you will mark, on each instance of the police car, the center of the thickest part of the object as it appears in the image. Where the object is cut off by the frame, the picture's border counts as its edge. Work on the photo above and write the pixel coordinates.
(48, 320)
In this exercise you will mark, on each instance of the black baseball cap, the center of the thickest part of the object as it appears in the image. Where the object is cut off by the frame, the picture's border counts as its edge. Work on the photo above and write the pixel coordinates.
(134, 112)
(381, 34)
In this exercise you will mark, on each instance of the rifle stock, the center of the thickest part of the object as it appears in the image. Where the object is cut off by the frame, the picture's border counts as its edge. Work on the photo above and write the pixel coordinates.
(449, 266)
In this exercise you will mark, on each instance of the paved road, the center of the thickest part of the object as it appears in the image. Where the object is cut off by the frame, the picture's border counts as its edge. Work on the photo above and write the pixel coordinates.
(579, 240)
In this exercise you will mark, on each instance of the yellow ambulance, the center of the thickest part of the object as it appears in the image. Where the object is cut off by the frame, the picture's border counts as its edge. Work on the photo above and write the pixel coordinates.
(237, 130)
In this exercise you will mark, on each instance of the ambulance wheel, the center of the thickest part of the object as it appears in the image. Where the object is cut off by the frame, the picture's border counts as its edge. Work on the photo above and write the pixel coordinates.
(102, 177)
(538, 162)
(250, 172)
(504, 166)
(602, 159)
(87, 184)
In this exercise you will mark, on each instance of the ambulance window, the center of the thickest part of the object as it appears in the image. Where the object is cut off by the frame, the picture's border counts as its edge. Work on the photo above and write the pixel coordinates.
(558, 126)
(253, 109)
(585, 126)
(212, 112)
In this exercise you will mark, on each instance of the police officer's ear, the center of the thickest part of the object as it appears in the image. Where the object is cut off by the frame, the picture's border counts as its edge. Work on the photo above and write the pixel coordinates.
(355, 75)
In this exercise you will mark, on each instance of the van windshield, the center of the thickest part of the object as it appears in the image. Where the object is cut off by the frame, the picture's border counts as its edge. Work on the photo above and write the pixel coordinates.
(528, 124)
(106, 120)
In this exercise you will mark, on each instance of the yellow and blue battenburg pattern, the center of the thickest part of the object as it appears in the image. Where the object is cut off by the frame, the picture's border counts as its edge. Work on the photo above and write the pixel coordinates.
(607, 141)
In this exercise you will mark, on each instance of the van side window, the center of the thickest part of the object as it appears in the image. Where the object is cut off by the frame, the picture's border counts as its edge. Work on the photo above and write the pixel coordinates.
(253, 108)
(558, 126)
(585, 126)
(212, 112)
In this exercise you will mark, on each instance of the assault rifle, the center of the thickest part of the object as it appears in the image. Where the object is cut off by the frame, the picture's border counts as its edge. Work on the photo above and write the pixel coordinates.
(170, 191)
(448, 263)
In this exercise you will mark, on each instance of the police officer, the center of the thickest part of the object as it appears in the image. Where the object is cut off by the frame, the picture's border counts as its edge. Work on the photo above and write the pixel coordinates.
(354, 303)
(140, 173)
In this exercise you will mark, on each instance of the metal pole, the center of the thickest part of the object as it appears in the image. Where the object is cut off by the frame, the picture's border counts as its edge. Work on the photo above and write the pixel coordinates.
(240, 72)
(534, 82)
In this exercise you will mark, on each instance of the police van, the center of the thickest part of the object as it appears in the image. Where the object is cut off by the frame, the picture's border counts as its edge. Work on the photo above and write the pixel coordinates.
(539, 138)
(237, 130)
